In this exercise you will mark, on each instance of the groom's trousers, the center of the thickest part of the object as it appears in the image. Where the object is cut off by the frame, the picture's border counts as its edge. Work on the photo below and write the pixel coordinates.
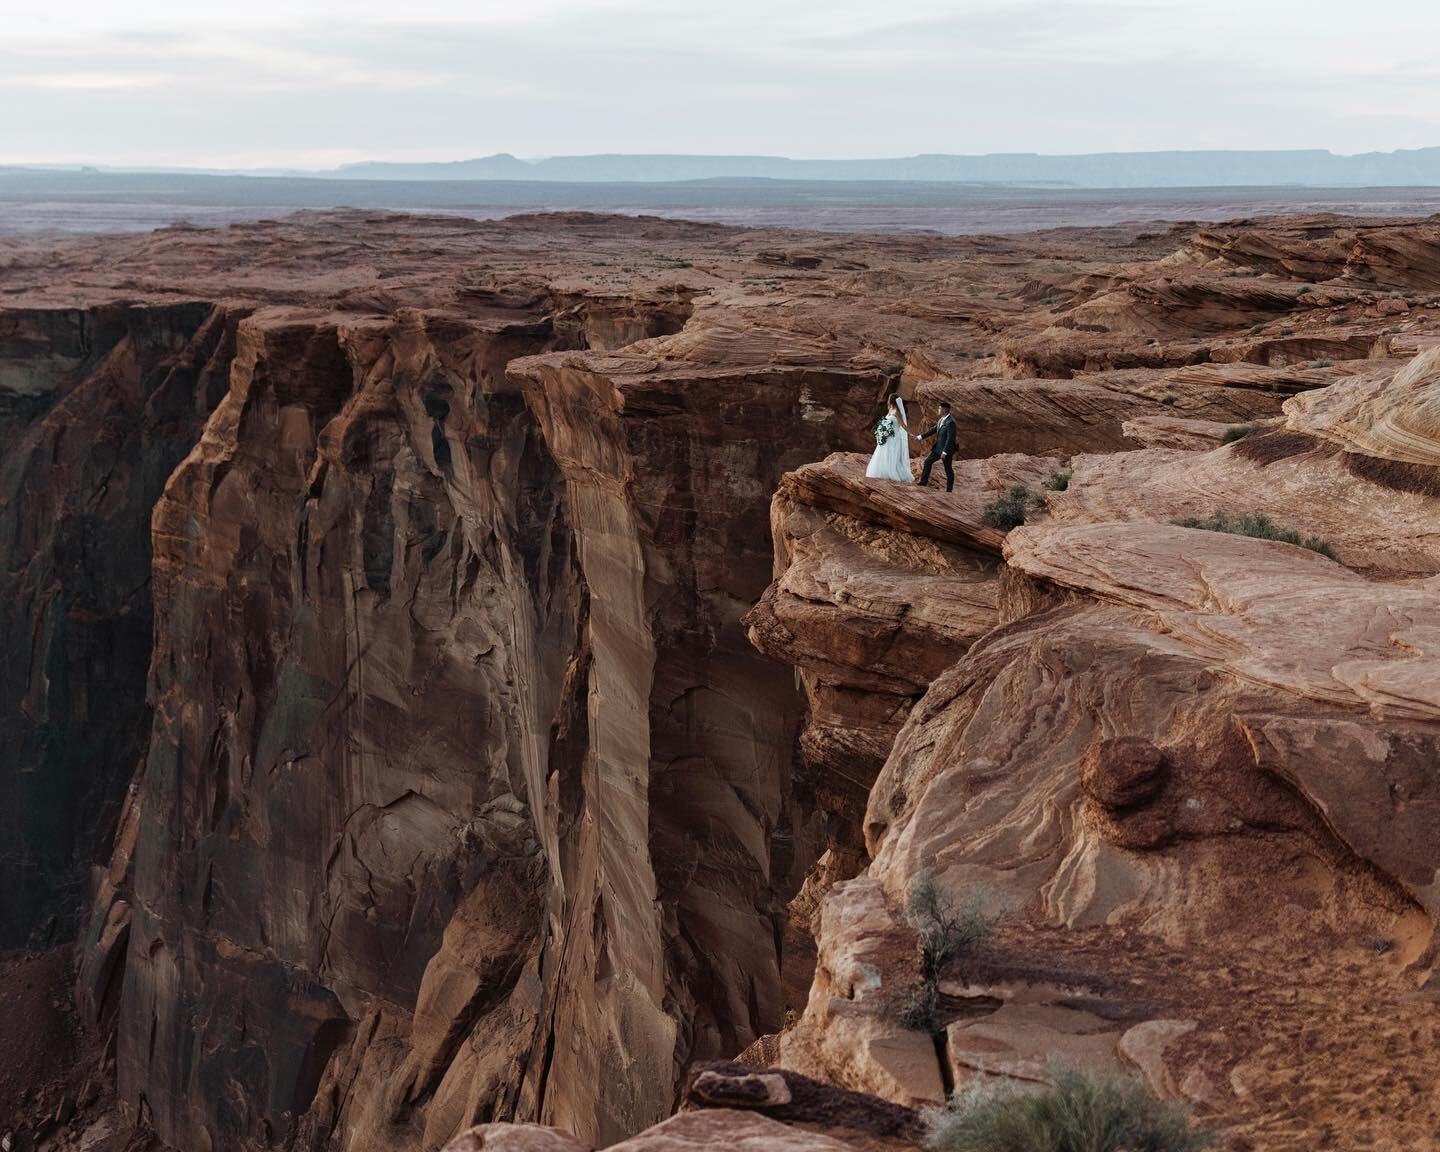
(935, 455)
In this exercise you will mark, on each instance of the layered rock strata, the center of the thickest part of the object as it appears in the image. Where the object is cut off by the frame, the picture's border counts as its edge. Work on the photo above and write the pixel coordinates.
(449, 668)
(464, 796)
(1160, 716)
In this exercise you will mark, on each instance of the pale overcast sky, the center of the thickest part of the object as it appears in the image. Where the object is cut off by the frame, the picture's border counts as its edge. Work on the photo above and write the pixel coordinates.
(311, 83)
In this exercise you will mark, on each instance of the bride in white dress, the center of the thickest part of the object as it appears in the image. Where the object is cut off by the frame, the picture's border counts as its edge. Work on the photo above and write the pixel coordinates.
(891, 460)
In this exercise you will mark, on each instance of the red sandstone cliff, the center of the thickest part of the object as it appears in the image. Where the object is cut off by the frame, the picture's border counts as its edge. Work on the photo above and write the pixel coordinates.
(462, 793)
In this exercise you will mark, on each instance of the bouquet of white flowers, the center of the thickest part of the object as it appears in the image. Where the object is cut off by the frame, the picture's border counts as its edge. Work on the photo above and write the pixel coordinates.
(884, 430)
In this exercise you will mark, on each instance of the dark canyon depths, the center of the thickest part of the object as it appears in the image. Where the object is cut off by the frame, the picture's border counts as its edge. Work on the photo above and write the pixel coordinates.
(380, 718)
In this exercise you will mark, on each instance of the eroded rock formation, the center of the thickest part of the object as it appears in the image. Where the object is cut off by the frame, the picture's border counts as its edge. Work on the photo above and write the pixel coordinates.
(537, 706)
(1157, 717)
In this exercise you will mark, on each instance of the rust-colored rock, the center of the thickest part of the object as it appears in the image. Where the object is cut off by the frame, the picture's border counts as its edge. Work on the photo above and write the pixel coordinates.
(515, 1138)
(467, 796)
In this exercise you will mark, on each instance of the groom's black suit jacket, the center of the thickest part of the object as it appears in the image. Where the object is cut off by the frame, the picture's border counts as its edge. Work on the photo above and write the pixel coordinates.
(944, 433)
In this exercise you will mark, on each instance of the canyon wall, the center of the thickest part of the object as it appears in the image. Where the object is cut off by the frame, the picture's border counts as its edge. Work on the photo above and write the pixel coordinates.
(523, 694)
(464, 796)
(97, 407)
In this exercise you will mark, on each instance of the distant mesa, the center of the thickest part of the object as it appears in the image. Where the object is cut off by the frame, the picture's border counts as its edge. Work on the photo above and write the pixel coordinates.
(1173, 169)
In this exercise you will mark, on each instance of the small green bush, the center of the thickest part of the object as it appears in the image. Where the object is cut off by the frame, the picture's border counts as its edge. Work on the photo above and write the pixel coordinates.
(1322, 364)
(1258, 526)
(1078, 1112)
(1305, 289)
(1059, 480)
(1256, 329)
(1009, 511)
(1238, 432)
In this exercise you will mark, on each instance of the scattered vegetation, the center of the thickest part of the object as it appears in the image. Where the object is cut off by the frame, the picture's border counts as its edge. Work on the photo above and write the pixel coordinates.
(1306, 289)
(1078, 1112)
(1238, 432)
(1322, 364)
(1260, 527)
(1009, 511)
(1256, 329)
(1168, 398)
(1059, 480)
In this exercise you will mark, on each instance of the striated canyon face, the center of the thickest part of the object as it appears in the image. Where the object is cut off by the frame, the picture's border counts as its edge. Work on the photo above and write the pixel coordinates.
(440, 706)
(460, 674)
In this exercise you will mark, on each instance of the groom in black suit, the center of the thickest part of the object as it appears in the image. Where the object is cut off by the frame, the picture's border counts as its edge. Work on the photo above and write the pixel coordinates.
(944, 450)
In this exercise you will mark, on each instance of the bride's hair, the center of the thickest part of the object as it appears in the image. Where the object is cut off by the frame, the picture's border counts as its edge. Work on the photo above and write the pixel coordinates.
(891, 401)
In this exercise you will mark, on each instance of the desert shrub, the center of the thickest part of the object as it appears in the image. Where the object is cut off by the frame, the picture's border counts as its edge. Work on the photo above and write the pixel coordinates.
(1256, 329)
(1305, 289)
(945, 930)
(1059, 480)
(1009, 511)
(1322, 364)
(1237, 432)
(1169, 399)
(1078, 1112)
(1260, 527)
(918, 1007)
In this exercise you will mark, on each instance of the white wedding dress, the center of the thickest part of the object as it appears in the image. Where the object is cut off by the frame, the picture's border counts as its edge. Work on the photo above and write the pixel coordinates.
(891, 460)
